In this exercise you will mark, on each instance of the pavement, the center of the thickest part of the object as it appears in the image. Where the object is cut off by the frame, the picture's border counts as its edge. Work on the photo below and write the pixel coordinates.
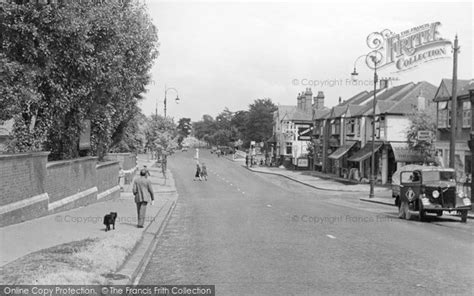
(85, 222)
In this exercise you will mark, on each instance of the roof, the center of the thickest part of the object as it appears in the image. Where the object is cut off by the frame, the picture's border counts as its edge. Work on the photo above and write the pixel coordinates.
(293, 113)
(322, 113)
(356, 97)
(396, 92)
(337, 111)
(445, 88)
(363, 109)
(406, 103)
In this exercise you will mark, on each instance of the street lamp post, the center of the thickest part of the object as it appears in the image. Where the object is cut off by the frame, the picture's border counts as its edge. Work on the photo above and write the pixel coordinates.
(164, 107)
(373, 55)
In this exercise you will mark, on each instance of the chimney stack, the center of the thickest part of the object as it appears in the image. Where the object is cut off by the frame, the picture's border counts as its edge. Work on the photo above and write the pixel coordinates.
(319, 101)
(421, 101)
(307, 100)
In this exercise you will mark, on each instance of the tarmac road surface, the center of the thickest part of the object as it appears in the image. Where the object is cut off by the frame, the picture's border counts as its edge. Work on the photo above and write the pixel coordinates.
(254, 234)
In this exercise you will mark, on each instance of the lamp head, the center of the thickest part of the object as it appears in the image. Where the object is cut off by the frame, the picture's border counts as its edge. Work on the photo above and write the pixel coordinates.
(354, 74)
(177, 99)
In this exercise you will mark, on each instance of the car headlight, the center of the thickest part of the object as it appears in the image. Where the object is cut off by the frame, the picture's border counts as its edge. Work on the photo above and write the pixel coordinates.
(435, 193)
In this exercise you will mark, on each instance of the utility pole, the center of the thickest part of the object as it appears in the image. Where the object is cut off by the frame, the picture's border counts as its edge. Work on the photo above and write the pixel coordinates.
(454, 103)
(165, 102)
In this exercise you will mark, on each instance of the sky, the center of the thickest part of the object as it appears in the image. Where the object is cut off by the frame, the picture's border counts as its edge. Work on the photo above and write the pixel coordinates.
(227, 54)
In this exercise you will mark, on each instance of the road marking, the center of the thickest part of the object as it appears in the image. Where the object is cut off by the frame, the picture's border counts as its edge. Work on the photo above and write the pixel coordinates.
(269, 206)
(330, 236)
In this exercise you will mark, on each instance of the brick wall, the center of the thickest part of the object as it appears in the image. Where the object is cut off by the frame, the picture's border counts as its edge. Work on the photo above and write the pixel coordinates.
(107, 175)
(65, 178)
(21, 176)
(31, 187)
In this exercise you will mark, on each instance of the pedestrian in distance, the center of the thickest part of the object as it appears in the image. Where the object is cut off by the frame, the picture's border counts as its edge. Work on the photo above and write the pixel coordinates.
(198, 173)
(147, 171)
(143, 192)
(247, 160)
(203, 171)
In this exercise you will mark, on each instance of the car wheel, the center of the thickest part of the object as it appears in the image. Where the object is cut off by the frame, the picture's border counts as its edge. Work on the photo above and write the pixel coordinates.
(421, 211)
(464, 216)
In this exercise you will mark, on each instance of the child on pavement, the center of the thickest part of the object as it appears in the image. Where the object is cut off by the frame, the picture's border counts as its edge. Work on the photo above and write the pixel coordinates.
(204, 171)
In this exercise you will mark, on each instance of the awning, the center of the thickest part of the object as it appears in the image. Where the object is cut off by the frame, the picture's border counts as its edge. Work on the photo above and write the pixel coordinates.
(341, 150)
(272, 139)
(403, 153)
(365, 152)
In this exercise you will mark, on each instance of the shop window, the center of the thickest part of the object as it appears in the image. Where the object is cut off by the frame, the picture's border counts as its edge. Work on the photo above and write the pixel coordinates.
(467, 167)
(289, 147)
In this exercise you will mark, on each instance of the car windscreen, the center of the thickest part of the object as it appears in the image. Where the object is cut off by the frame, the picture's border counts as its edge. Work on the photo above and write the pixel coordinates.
(434, 176)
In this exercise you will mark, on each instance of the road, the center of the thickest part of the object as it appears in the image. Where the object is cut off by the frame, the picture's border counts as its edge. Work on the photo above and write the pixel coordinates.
(253, 234)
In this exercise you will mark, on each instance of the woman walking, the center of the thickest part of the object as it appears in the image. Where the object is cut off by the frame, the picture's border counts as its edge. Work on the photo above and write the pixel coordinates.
(198, 173)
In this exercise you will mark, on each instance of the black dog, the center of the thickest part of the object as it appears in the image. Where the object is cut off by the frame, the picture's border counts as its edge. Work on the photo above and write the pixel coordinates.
(109, 219)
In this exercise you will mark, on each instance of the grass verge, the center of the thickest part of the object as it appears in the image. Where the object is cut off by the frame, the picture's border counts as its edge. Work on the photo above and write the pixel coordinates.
(76, 263)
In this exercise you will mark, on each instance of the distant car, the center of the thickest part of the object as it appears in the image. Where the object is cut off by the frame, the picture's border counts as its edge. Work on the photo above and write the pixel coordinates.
(213, 149)
(184, 149)
(226, 150)
(428, 189)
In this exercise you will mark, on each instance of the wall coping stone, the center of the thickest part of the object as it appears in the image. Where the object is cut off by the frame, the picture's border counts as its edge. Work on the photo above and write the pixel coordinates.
(23, 203)
(107, 163)
(72, 198)
(122, 153)
(21, 155)
(69, 161)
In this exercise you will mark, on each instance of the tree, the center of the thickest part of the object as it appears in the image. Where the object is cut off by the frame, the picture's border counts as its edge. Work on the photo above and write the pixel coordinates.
(239, 123)
(422, 121)
(184, 127)
(81, 60)
(204, 129)
(260, 120)
(161, 134)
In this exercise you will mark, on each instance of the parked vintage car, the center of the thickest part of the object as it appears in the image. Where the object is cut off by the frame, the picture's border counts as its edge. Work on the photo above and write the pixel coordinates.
(428, 189)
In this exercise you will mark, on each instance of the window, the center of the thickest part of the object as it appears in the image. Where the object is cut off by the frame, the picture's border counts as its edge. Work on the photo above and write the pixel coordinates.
(350, 127)
(335, 127)
(357, 127)
(443, 113)
(466, 114)
(289, 147)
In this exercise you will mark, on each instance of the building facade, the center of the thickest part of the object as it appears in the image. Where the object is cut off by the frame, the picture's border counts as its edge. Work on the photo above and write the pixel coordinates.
(443, 100)
(292, 129)
(343, 135)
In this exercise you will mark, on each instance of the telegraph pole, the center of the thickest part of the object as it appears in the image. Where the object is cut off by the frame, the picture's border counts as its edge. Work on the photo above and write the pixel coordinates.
(454, 103)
